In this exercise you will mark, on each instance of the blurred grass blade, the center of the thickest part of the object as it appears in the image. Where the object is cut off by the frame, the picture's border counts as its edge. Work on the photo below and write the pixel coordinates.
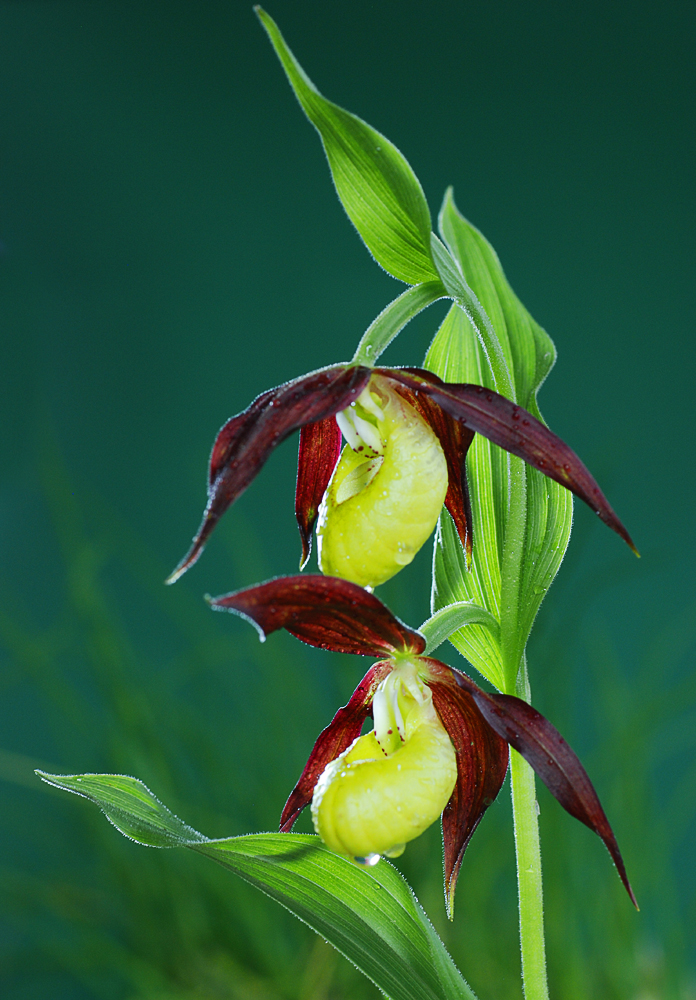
(370, 915)
(453, 617)
(376, 185)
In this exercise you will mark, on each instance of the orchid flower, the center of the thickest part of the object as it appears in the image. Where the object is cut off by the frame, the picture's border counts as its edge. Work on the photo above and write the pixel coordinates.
(439, 743)
(407, 434)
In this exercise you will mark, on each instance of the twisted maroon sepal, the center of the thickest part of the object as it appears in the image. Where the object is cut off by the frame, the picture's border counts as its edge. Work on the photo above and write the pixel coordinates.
(517, 431)
(543, 747)
(482, 762)
(320, 450)
(326, 612)
(245, 441)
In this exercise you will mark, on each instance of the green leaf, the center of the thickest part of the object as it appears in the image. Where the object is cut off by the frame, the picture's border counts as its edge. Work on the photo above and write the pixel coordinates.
(457, 355)
(498, 367)
(370, 915)
(378, 189)
(130, 806)
(451, 619)
(528, 349)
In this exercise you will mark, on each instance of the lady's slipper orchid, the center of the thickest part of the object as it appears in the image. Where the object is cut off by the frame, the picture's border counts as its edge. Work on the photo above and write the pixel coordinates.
(392, 783)
(439, 743)
(407, 435)
(387, 491)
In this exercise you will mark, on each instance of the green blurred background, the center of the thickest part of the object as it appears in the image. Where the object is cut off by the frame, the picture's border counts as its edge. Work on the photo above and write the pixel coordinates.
(172, 246)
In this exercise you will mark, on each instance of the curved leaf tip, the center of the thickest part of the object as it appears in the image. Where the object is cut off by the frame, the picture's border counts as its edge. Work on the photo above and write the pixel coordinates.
(130, 806)
(375, 183)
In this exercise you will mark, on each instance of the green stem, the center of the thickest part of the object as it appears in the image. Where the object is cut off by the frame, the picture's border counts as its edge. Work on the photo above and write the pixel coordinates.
(511, 641)
(394, 318)
(524, 807)
(451, 618)
(524, 802)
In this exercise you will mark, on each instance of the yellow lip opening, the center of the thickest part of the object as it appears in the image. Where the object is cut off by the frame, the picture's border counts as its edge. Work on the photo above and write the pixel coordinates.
(372, 801)
(383, 500)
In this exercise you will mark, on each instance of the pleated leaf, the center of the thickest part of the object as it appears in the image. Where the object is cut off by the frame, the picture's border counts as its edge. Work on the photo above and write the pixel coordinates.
(377, 187)
(456, 355)
(370, 916)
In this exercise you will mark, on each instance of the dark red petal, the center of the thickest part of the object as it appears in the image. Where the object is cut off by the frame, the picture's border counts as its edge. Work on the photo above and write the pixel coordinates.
(482, 761)
(320, 448)
(246, 441)
(516, 430)
(337, 737)
(543, 747)
(455, 439)
(326, 612)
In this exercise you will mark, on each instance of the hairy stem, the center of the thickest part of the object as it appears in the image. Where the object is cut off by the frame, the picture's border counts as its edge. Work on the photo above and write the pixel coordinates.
(511, 644)
(524, 802)
(394, 318)
(528, 849)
